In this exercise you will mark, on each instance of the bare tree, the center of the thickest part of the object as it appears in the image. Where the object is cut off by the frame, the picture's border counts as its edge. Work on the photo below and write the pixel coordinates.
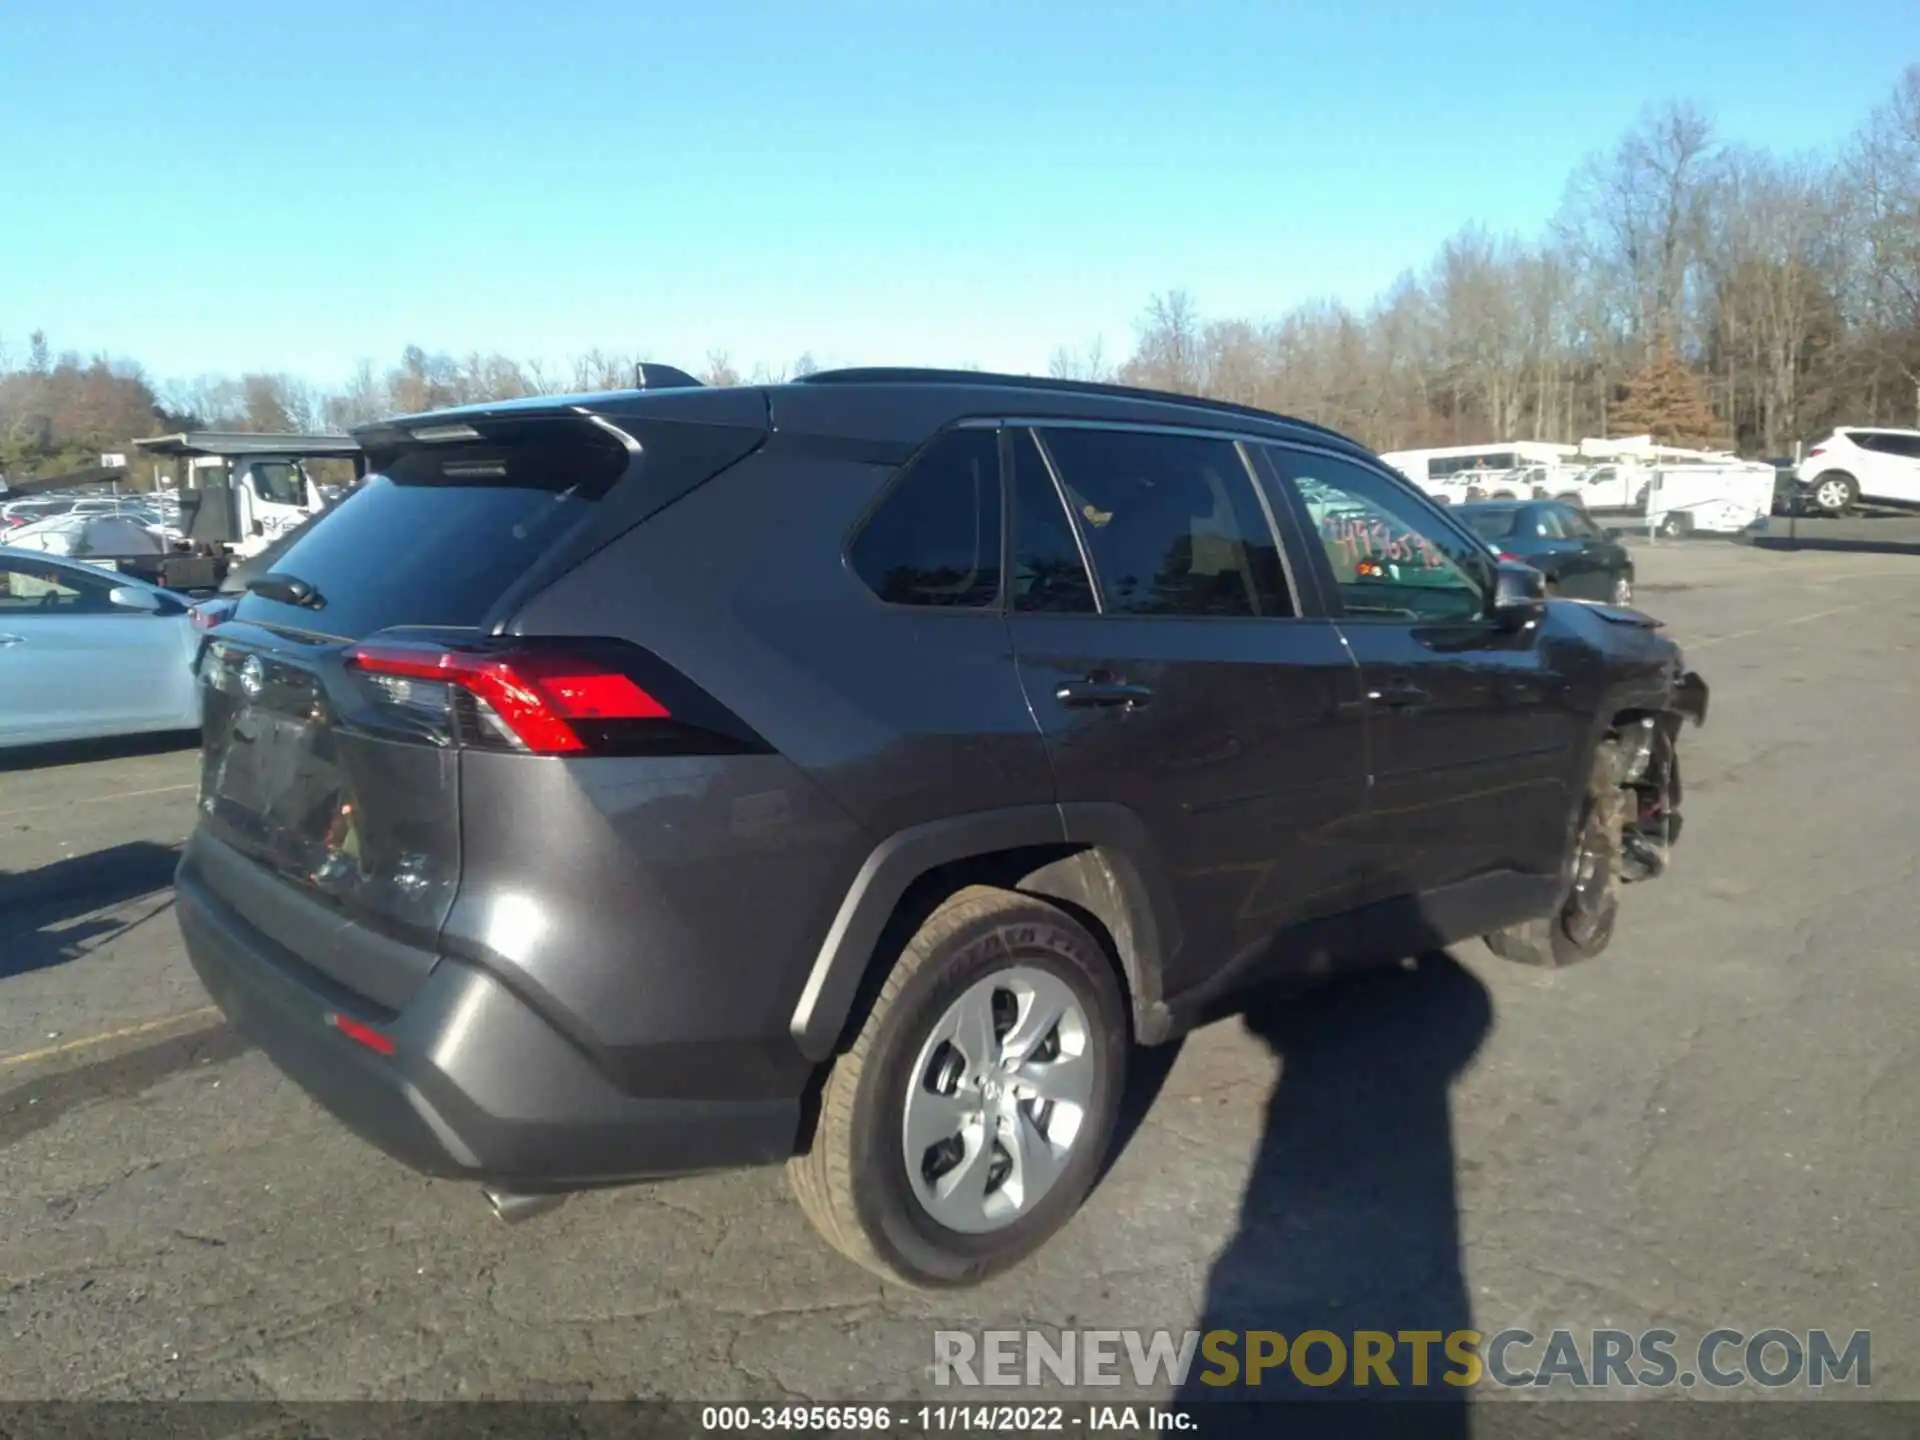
(1089, 363)
(1167, 353)
(1634, 215)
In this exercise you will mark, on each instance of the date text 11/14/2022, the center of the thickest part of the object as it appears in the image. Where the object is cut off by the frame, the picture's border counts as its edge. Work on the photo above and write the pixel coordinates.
(947, 1419)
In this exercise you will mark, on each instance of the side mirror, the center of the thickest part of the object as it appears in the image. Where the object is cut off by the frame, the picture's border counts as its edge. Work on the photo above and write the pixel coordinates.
(1519, 595)
(132, 597)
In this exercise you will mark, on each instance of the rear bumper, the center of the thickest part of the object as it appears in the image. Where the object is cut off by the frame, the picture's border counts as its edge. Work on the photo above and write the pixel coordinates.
(478, 1086)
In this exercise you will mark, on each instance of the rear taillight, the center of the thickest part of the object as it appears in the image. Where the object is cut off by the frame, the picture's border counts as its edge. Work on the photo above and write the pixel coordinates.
(205, 617)
(1509, 555)
(1816, 450)
(544, 701)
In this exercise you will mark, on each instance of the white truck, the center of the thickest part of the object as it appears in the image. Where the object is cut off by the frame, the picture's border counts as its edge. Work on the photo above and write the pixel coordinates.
(238, 493)
(266, 476)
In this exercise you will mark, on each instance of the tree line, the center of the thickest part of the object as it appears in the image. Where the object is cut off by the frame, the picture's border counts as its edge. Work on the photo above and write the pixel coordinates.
(1708, 292)
(1713, 293)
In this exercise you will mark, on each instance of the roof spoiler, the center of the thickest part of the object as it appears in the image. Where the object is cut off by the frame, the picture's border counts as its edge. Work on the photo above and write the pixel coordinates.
(649, 376)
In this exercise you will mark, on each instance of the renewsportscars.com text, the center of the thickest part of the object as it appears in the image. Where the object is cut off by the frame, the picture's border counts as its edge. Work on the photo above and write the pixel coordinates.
(1771, 1358)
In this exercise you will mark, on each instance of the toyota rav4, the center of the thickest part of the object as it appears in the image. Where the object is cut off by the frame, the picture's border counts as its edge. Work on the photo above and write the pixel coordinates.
(849, 773)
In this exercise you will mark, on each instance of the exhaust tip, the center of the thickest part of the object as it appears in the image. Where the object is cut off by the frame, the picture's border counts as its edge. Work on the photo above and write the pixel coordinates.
(515, 1208)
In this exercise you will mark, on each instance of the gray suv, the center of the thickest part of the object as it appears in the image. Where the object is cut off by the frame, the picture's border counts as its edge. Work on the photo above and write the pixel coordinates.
(849, 773)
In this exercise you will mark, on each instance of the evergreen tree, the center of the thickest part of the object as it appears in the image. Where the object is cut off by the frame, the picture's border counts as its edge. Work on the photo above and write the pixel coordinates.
(1664, 400)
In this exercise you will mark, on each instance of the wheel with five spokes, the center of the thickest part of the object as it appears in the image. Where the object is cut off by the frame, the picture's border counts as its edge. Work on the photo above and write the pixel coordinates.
(969, 1117)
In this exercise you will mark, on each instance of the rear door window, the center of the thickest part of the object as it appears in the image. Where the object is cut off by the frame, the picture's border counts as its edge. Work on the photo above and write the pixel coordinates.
(1171, 522)
(34, 589)
(1544, 523)
(1578, 524)
(934, 540)
(1907, 447)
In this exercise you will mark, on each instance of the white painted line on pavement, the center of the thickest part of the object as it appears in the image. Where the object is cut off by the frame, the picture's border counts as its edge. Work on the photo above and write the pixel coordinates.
(1690, 646)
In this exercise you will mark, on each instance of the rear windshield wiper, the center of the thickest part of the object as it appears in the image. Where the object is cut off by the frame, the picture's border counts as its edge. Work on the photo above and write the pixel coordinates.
(287, 589)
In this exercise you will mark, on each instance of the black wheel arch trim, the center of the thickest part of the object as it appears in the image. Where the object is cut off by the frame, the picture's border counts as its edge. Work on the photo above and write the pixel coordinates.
(1111, 869)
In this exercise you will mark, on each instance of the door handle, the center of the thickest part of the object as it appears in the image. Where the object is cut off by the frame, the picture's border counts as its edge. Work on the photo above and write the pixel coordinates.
(6, 640)
(1101, 694)
(1400, 697)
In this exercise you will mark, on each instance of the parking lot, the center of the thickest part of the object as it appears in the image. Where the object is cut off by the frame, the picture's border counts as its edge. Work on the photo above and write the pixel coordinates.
(1714, 1124)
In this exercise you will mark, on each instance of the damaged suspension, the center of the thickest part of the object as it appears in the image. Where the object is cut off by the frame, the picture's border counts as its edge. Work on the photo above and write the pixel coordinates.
(1643, 777)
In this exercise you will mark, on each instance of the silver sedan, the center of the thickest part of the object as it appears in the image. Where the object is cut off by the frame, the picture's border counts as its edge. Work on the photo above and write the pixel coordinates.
(86, 652)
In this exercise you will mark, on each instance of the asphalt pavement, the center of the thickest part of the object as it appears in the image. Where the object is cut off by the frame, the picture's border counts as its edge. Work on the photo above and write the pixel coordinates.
(1713, 1124)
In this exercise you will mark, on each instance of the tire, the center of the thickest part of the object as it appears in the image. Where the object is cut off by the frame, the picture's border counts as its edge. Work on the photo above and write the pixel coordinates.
(1556, 941)
(1503, 495)
(1573, 498)
(1833, 493)
(1675, 526)
(854, 1182)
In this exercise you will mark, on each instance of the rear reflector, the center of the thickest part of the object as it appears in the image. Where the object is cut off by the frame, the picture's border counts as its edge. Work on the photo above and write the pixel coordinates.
(363, 1034)
(537, 696)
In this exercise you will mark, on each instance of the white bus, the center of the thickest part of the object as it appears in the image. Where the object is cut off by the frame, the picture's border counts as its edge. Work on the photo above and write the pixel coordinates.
(1501, 469)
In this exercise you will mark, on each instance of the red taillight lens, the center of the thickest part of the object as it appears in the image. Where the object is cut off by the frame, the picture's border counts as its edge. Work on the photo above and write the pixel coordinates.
(1509, 555)
(538, 696)
(205, 617)
(1816, 450)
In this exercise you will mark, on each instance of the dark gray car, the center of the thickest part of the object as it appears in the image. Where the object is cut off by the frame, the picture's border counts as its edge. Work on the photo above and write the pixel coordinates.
(848, 773)
(1580, 560)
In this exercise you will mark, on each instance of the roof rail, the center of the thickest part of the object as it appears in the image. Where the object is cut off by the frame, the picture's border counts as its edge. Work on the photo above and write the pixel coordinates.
(911, 375)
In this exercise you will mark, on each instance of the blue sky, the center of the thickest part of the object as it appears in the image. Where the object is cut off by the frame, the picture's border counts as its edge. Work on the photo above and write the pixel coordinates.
(215, 186)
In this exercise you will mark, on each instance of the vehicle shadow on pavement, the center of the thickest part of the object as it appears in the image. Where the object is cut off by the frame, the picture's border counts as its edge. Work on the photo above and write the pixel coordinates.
(41, 1102)
(41, 910)
(1862, 547)
(1350, 1220)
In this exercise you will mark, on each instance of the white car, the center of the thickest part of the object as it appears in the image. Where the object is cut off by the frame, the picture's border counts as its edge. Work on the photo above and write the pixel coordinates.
(86, 653)
(80, 535)
(1859, 463)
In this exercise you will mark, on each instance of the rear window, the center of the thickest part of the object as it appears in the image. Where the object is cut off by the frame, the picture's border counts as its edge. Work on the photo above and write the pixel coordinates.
(440, 536)
(1490, 524)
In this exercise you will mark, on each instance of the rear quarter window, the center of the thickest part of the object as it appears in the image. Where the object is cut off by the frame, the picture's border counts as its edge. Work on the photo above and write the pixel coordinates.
(934, 539)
